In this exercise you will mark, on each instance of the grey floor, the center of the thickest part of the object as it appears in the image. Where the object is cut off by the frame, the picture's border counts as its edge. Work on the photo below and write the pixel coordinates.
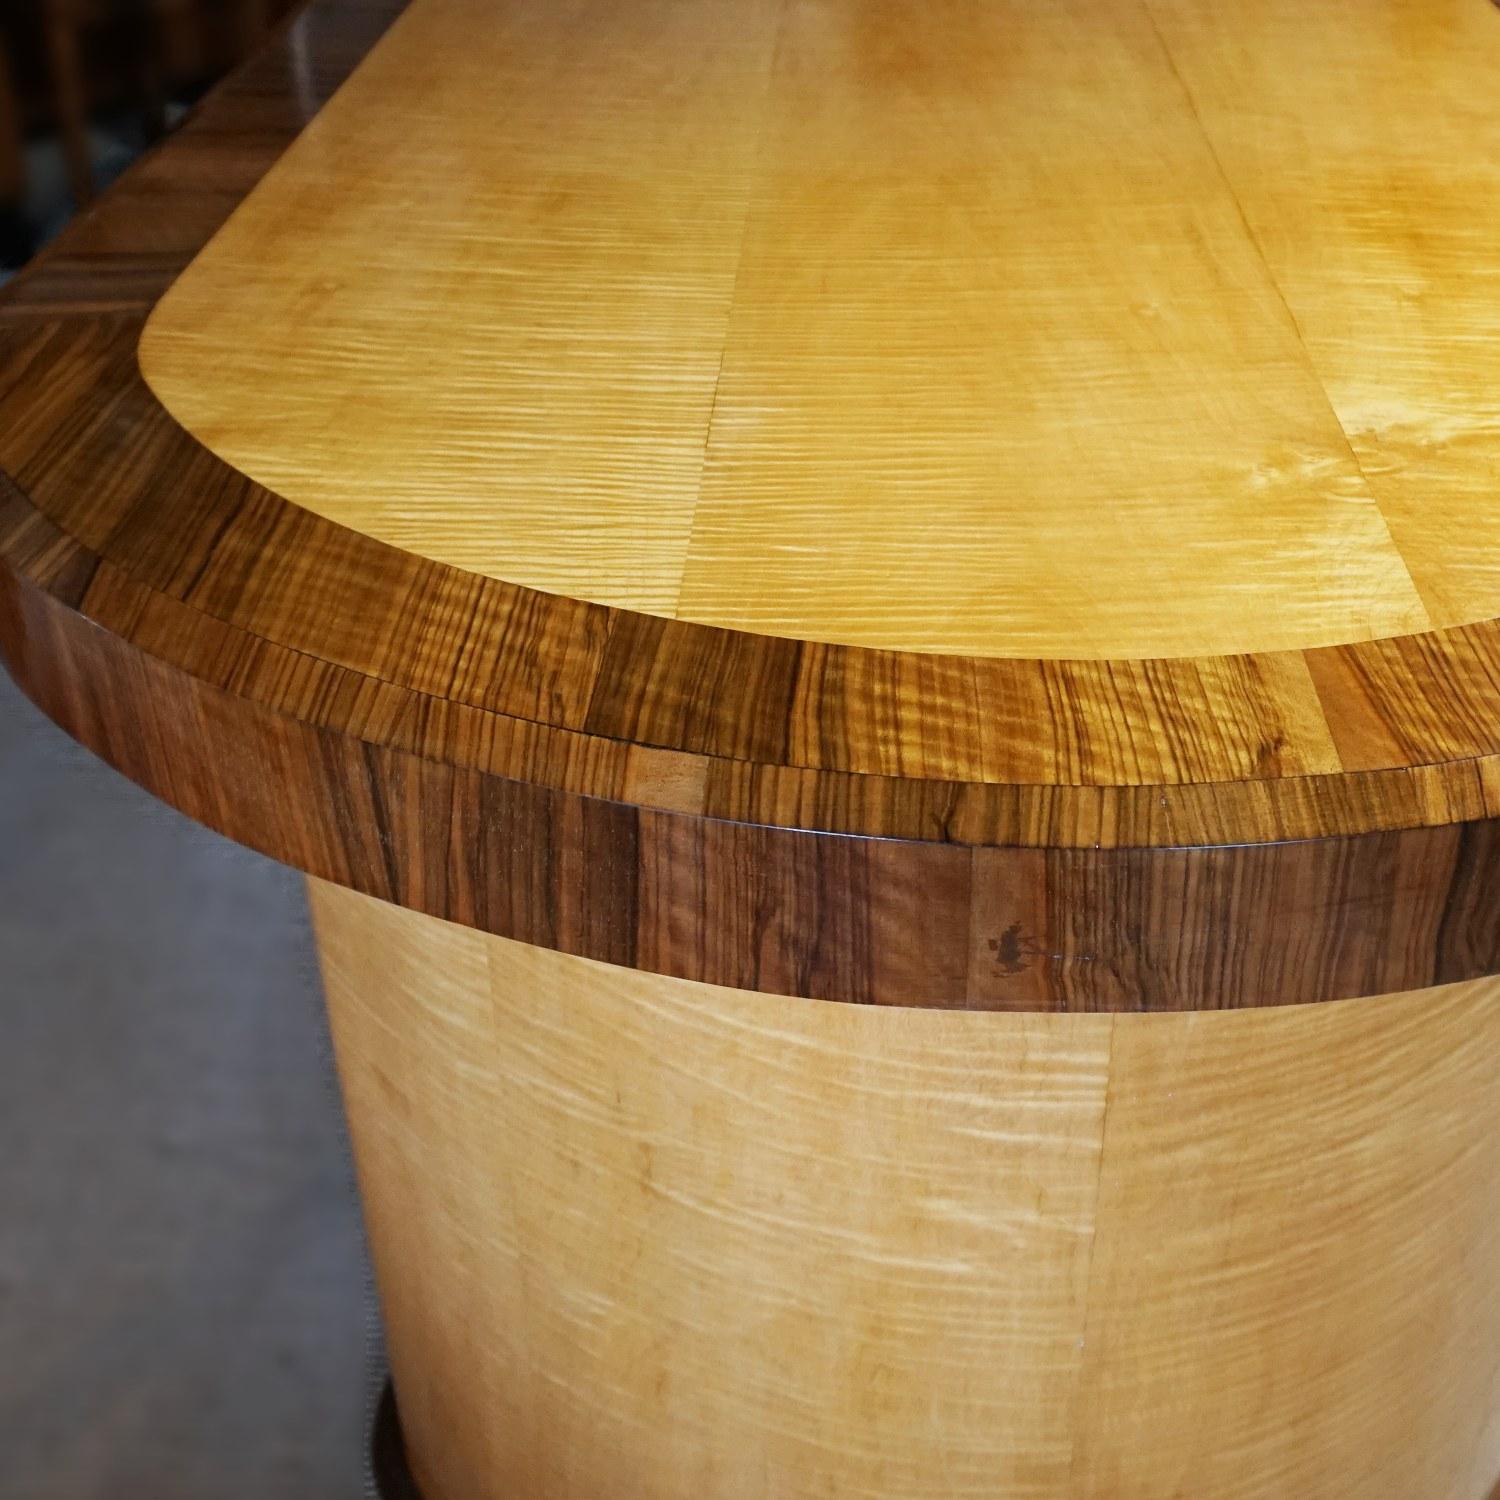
(184, 1303)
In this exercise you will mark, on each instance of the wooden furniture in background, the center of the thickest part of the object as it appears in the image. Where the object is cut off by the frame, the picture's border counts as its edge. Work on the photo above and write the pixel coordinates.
(65, 71)
(75, 58)
(854, 610)
(12, 165)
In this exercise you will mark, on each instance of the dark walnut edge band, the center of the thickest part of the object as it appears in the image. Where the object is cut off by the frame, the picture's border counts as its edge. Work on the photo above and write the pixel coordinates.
(844, 824)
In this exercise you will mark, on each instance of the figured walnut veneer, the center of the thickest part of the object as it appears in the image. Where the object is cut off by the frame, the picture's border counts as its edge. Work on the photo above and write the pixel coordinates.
(766, 810)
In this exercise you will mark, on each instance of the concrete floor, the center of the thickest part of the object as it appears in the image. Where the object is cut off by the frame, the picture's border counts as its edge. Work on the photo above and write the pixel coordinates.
(184, 1296)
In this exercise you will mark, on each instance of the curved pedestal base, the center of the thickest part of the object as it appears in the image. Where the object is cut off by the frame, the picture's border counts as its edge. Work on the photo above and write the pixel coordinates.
(655, 1240)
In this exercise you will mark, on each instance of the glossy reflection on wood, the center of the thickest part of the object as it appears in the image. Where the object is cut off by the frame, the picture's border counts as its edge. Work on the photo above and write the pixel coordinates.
(1078, 330)
(875, 825)
(890, 351)
(1089, 409)
(641, 1237)
(642, 737)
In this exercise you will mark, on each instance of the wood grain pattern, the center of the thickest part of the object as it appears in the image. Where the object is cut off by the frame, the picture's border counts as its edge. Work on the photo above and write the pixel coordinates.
(831, 820)
(1377, 239)
(878, 352)
(638, 1236)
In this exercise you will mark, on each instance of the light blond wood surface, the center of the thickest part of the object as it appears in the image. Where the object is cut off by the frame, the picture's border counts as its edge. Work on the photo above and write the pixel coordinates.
(644, 1237)
(1081, 329)
(1012, 1166)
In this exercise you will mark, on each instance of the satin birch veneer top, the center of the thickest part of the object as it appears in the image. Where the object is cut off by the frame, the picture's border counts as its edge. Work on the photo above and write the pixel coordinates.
(1084, 329)
(969, 504)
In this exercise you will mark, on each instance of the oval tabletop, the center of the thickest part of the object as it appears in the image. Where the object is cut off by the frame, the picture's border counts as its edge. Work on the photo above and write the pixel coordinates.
(967, 504)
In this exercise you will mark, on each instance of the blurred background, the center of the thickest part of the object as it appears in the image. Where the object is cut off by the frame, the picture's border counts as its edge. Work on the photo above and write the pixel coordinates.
(185, 1303)
(85, 85)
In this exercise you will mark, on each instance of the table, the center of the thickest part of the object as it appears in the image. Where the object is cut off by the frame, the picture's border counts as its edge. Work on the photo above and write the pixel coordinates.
(876, 627)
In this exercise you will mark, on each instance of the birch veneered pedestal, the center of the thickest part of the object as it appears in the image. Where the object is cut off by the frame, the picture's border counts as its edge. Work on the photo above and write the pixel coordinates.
(877, 623)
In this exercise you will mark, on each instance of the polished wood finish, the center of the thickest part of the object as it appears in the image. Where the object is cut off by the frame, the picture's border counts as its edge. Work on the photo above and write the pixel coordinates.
(644, 1237)
(821, 381)
(673, 786)
(802, 503)
(840, 338)
(877, 825)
